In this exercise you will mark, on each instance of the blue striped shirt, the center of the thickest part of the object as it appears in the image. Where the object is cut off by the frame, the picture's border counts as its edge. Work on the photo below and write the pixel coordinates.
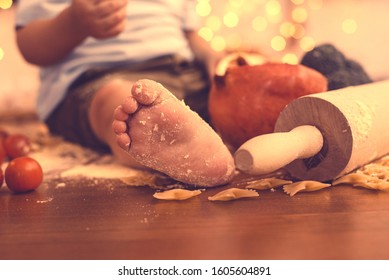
(154, 28)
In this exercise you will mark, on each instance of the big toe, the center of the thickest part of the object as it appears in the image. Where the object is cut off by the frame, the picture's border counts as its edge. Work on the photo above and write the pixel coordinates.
(146, 91)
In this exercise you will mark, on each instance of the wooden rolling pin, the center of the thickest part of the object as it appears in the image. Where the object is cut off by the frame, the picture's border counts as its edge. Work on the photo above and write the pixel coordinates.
(323, 136)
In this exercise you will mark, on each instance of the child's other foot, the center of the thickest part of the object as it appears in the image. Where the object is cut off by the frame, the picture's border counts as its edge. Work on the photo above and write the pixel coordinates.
(162, 133)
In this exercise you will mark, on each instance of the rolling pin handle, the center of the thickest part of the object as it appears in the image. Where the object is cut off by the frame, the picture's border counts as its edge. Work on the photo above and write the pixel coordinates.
(267, 153)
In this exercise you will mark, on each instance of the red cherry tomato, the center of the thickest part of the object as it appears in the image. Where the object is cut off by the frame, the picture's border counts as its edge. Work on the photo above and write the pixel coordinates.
(1, 177)
(3, 134)
(17, 145)
(3, 154)
(23, 174)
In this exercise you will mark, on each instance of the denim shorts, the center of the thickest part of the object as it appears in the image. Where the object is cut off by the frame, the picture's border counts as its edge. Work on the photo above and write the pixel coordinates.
(186, 80)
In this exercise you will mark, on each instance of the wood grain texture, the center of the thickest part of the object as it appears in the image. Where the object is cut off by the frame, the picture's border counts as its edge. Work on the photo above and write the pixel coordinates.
(95, 218)
(89, 219)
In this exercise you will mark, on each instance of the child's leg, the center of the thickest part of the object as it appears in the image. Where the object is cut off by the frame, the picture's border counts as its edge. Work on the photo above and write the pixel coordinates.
(103, 104)
(159, 131)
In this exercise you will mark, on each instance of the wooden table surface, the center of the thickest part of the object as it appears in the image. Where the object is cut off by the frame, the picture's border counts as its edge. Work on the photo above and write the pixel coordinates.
(86, 218)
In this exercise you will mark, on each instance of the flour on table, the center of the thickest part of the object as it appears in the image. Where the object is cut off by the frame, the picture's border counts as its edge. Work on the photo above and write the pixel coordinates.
(100, 170)
(67, 159)
(62, 156)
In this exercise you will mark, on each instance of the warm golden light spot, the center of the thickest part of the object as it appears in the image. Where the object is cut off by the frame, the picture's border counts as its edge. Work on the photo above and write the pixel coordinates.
(233, 41)
(214, 23)
(300, 15)
(349, 26)
(230, 19)
(259, 24)
(275, 19)
(299, 31)
(307, 43)
(5, 4)
(218, 43)
(236, 3)
(273, 7)
(290, 58)
(287, 29)
(206, 33)
(203, 8)
(278, 43)
(1, 54)
(315, 4)
(298, 2)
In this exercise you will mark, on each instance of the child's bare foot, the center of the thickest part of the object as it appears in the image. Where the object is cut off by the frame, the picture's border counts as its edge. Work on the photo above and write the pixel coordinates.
(162, 133)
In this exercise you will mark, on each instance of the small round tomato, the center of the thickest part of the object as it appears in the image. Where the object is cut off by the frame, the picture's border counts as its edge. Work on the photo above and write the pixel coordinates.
(1, 177)
(3, 134)
(17, 145)
(3, 154)
(23, 174)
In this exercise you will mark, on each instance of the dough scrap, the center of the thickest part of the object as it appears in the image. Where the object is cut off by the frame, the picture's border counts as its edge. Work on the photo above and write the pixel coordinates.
(372, 176)
(351, 179)
(140, 179)
(305, 186)
(232, 194)
(155, 181)
(267, 183)
(176, 194)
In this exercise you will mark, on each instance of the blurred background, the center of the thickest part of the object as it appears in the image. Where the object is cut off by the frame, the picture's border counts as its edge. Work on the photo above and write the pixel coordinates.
(280, 29)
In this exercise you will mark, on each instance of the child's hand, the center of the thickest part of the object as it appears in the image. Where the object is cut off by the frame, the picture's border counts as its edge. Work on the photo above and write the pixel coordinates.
(100, 18)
